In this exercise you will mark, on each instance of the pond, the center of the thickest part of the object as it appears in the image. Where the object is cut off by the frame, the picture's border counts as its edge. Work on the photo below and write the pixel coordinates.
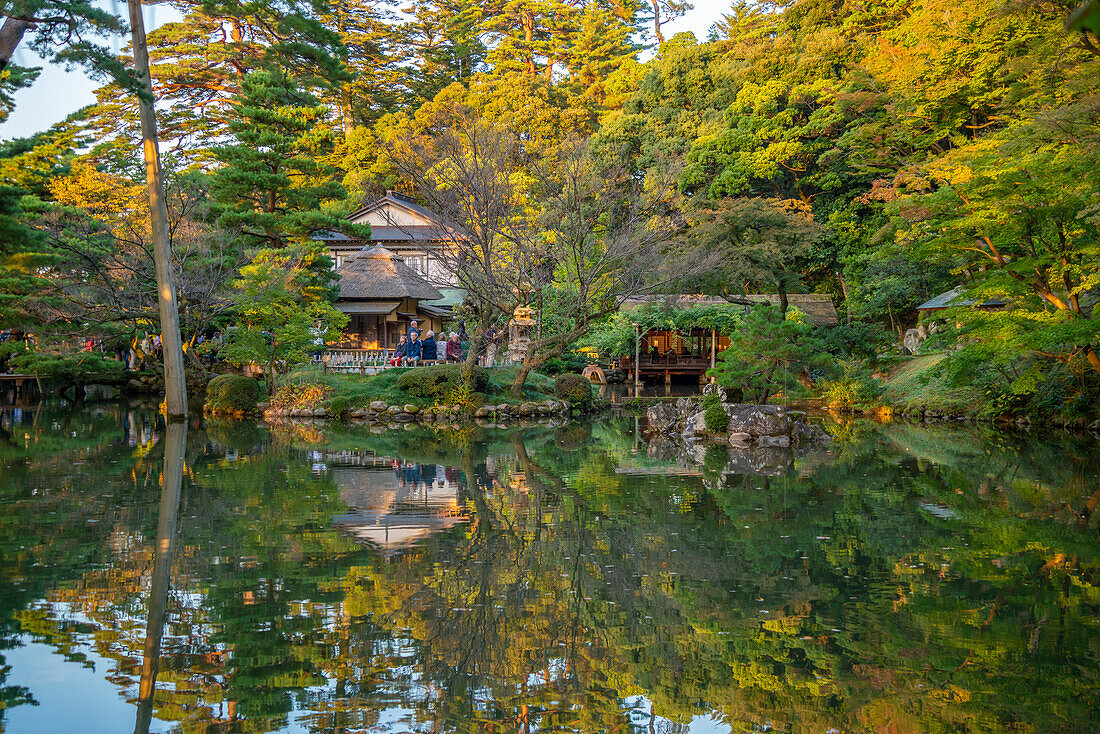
(310, 578)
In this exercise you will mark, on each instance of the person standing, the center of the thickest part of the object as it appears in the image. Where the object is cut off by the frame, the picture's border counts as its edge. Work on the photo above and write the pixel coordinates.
(429, 351)
(413, 330)
(463, 339)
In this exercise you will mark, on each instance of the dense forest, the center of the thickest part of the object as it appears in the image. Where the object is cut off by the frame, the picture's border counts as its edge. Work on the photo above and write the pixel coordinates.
(880, 152)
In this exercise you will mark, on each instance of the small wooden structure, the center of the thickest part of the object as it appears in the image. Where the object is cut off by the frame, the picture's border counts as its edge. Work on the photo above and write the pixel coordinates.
(957, 297)
(668, 354)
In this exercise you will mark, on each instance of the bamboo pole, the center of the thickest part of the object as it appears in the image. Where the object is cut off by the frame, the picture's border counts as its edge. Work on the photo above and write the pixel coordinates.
(175, 385)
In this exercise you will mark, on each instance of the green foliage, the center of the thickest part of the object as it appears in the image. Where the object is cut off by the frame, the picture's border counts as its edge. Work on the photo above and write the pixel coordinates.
(337, 407)
(569, 362)
(75, 368)
(23, 255)
(853, 340)
(749, 242)
(275, 178)
(280, 313)
(438, 380)
(575, 390)
(233, 393)
(767, 355)
(855, 389)
(639, 403)
(716, 418)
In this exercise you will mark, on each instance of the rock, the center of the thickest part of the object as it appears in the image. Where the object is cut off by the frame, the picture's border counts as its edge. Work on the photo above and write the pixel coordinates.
(913, 340)
(663, 418)
(379, 405)
(767, 442)
(725, 394)
(808, 434)
(404, 417)
(687, 406)
(482, 413)
(695, 425)
(758, 420)
(319, 412)
(740, 440)
(759, 461)
(394, 409)
(410, 408)
(526, 409)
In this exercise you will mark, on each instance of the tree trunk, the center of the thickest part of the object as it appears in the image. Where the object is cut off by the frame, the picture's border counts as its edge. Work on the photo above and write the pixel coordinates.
(783, 298)
(657, 22)
(11, 33)
(175, 386)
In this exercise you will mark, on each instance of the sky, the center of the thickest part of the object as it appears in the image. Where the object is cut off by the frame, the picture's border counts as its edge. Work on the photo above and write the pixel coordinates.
(58, 92)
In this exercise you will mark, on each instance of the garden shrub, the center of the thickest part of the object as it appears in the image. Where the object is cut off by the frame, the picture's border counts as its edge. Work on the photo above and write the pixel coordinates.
(564, 363)
(716, 418)
(214, 388)
(575, 390)
(436, 381)
(337, 406)
(235, 393)
(854, 390)
(305, 395)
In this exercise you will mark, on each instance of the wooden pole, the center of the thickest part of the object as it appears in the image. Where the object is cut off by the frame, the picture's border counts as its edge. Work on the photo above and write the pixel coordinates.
(175, 385)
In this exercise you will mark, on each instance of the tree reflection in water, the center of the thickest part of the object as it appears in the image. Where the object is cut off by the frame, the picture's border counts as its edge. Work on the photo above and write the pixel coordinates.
(170, 483)
(910, 579)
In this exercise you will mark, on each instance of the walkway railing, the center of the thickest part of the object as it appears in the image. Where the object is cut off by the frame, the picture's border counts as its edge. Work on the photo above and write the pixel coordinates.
(361, 361)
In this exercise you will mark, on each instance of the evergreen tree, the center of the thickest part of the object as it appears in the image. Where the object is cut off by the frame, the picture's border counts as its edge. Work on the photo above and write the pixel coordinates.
(277, 173)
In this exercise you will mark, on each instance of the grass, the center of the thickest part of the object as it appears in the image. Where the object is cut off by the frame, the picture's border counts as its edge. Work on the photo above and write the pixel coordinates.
(360, 390)
(914, 383)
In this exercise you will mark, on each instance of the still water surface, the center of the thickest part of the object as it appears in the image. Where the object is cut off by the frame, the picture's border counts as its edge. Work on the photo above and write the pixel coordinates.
(571, 578)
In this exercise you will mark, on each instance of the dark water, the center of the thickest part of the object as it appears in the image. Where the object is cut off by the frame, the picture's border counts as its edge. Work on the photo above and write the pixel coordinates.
(546, 579)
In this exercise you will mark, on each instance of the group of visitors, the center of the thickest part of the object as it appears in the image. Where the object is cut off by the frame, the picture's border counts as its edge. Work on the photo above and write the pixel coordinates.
(412, 350)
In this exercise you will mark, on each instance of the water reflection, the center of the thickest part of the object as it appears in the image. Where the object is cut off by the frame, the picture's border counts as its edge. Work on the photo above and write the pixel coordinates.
(570, 578)
(170, 484)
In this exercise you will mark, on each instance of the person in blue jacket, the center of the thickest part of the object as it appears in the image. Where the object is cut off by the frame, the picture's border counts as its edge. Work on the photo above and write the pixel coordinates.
(413, 350)
(429, 350)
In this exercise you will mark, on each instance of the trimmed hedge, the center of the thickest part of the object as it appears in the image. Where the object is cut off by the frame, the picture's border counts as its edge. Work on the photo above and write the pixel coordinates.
(235, 393)
(575, 390)
(437, 380)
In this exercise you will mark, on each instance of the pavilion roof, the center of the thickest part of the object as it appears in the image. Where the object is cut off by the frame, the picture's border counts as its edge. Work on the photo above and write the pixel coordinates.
(377, 273)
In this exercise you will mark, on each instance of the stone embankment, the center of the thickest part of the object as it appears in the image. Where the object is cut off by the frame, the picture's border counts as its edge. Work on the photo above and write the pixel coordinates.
(380, 412)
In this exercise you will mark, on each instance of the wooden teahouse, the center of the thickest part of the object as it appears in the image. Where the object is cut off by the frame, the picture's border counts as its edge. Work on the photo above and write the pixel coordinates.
(381, 295)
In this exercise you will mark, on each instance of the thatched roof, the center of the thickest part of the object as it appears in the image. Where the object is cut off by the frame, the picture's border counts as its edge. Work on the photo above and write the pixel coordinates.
(378, 273)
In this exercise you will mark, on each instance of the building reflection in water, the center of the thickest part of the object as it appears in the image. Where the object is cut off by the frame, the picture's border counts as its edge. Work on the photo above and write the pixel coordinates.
(395, 505)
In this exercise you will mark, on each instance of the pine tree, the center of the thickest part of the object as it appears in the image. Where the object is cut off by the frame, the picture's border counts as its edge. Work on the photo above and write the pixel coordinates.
(276, 175)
